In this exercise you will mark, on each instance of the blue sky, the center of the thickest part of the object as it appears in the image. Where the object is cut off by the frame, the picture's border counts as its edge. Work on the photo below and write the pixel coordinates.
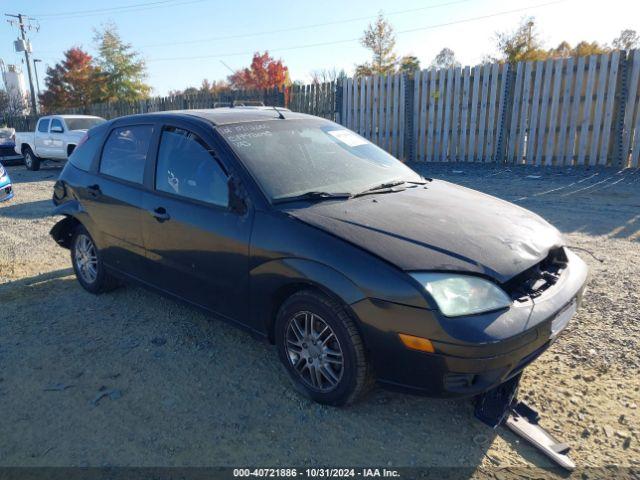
(184, 41)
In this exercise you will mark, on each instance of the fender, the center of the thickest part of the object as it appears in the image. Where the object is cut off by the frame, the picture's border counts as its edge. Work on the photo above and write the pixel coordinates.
(272, 282)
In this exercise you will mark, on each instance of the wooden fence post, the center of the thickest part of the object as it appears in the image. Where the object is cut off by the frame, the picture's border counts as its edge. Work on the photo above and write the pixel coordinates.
(619, 157)
(339, 105)
(409, 140)
(507, 110)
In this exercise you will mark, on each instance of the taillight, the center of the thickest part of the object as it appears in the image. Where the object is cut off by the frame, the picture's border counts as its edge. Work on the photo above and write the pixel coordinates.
(83, 139)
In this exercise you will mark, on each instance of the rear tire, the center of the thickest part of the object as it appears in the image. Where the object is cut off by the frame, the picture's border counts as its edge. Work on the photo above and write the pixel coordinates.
(30, 160)
(321, 349)
(87, 263)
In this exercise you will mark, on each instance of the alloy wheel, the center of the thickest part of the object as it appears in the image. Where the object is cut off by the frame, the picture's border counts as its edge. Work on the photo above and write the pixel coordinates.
(314, 351)
(86, 258)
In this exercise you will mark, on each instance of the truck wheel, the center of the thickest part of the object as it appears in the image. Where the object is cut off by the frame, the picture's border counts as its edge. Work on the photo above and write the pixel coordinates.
(30, 160)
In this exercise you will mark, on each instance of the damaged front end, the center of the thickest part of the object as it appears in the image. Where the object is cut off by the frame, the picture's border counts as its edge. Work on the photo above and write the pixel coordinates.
(500, 407)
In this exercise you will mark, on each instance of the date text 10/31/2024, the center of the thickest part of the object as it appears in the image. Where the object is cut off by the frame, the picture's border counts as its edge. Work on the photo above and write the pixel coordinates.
(317, 472)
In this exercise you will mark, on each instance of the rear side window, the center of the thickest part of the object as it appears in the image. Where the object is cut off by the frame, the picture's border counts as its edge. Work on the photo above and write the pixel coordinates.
(84, 154)
(43, 125)
(125, 152)
(187, 168)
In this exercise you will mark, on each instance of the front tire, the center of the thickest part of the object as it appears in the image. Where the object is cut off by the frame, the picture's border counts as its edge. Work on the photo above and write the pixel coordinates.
(30, 160)
(321, 349)
(87, 263)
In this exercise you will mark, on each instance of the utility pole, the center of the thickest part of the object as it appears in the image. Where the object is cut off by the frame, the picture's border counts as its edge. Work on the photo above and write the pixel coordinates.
(22, 26)
(35, 70)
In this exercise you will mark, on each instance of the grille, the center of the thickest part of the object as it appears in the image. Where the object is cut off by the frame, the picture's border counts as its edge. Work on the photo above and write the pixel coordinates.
(535, 280)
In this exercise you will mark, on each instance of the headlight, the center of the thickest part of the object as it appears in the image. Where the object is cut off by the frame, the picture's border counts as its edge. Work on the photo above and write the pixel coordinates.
(462, 294)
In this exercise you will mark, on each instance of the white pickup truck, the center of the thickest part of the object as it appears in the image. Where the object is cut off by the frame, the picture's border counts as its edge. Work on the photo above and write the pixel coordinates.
(54, 139)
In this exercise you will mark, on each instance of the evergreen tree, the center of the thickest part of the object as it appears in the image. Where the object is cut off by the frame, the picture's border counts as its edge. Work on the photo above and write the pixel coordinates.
(121, 67)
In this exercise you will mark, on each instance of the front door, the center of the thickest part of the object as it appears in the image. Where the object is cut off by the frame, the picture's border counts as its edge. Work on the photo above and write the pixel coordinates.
(56, 139)
(197, 247)
(115, 201)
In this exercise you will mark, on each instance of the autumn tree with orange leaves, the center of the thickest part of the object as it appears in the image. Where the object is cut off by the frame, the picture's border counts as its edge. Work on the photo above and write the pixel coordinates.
(264, 72)
(72, 83)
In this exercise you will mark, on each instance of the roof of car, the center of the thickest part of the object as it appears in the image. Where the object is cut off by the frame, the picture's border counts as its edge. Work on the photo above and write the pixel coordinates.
(228, 115)
(71, 116)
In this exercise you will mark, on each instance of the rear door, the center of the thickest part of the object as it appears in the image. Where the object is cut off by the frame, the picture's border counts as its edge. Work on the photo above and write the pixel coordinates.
(115, 200)
(197, 246)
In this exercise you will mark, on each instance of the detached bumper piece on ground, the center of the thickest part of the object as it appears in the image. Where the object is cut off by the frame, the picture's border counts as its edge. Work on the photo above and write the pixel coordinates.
(500, 407)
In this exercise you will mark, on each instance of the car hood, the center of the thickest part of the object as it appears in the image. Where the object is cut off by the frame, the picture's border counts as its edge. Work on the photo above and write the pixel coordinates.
(441, 226)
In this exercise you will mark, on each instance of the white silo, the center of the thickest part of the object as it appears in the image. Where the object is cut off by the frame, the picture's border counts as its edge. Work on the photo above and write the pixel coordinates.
(15, 87)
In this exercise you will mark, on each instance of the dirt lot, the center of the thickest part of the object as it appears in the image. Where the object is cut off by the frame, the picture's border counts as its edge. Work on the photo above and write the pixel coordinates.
(133, 379)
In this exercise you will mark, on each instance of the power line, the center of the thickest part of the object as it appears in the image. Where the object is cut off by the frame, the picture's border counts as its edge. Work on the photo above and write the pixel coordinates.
(301, 27)
(338, 42)
(114, 10)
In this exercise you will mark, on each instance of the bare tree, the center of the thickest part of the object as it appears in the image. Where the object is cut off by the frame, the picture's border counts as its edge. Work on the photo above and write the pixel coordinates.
(445, 59)
(324, 75)
(627, 40)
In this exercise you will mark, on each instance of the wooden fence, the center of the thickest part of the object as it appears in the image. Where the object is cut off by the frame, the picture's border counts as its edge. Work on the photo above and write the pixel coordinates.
(375, 108)
(570, 111)
(318, 99)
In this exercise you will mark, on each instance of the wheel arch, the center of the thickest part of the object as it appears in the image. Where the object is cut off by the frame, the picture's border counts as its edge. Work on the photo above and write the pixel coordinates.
(74, 215)
(275, 281)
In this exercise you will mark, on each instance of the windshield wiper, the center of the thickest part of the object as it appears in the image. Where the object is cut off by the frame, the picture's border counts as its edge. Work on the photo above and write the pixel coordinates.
(311, 196)
(386, 187)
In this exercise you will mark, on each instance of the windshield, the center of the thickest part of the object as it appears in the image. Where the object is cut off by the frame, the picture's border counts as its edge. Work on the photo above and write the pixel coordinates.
(83, 123)
(293, 157)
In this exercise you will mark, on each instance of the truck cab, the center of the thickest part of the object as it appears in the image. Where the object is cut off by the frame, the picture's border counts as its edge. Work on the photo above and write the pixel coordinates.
(55, 138)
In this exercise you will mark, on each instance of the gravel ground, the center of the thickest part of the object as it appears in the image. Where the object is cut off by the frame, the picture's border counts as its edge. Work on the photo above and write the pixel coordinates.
(133, 379)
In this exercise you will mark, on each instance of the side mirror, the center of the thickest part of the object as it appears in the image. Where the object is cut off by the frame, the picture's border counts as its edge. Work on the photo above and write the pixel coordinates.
(238, 198)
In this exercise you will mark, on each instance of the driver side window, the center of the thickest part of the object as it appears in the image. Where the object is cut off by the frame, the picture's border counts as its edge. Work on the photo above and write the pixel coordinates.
(187, 168)
(56, 126)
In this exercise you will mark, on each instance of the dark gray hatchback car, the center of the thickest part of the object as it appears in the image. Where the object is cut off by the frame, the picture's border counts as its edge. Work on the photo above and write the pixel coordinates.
(308, 235)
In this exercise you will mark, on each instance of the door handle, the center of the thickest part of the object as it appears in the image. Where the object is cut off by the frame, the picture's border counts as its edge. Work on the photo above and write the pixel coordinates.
(160, 214)
(94, 190)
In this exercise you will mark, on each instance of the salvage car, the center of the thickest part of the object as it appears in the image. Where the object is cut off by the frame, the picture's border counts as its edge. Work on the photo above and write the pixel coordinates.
(55, 138)
(6, 189)
(303, 232)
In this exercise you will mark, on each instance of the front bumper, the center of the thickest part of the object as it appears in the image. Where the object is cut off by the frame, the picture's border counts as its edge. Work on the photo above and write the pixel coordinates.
(473, 354)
